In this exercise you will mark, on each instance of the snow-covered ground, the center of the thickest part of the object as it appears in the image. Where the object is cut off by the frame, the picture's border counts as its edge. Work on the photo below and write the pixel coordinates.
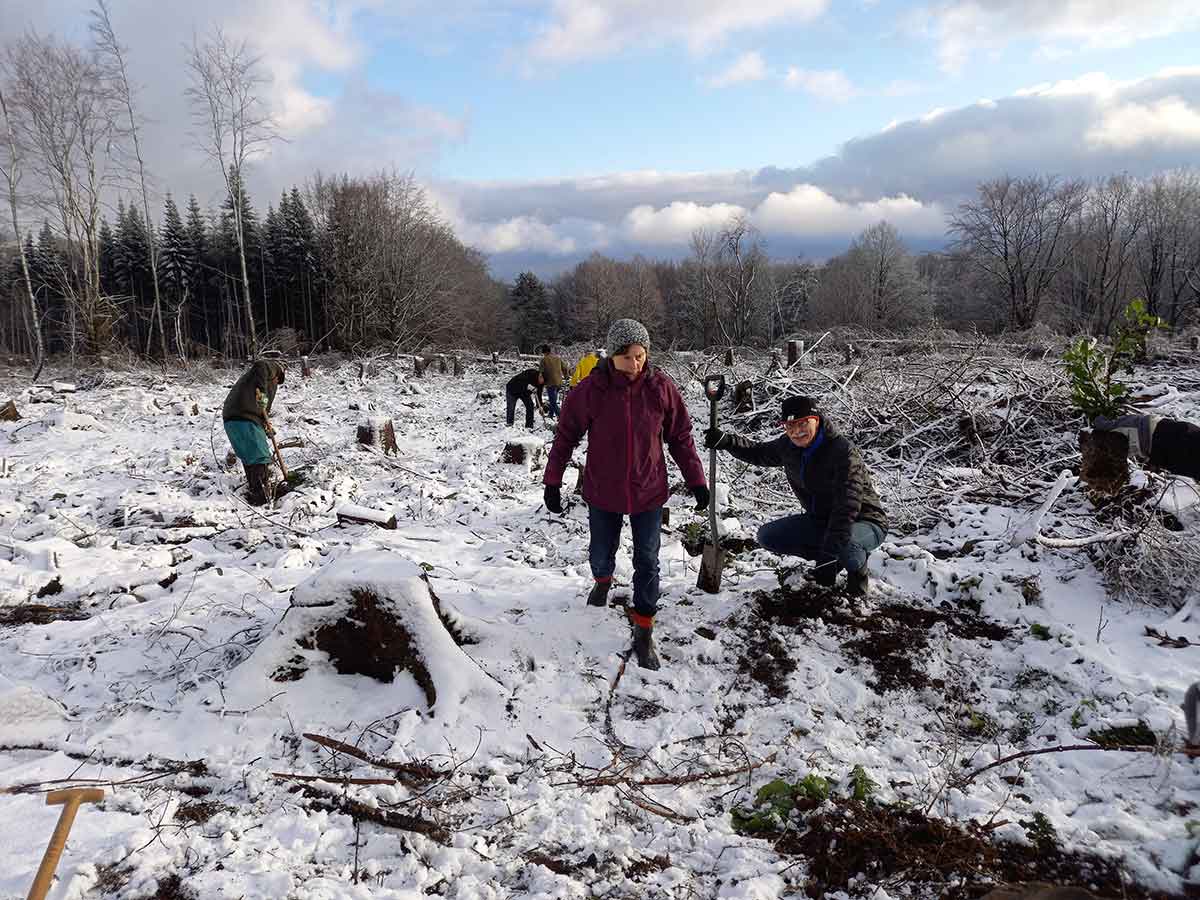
(566, 771)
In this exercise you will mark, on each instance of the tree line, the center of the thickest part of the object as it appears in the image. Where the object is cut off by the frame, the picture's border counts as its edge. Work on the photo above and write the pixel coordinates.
(355, 262)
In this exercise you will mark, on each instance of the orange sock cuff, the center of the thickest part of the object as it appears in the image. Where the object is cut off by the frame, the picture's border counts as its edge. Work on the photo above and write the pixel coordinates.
(641, 621)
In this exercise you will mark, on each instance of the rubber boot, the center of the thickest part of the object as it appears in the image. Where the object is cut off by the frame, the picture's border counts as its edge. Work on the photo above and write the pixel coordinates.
(857, 583)
(643, 641)
(256, 484)
(599, 594)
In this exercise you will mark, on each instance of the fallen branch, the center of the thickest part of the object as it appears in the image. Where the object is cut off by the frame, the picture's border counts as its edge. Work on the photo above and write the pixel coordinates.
(1165, 640)
(417, 770)
(331, 779)
(1120, 748)
(670, 780)
(1070, 543)
(359, 812)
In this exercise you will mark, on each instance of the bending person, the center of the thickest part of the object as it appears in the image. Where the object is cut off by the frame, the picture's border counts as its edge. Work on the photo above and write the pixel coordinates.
(247, 415)
(843, 520)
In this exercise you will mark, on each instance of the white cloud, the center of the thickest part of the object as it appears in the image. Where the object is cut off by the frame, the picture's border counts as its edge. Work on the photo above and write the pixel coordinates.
(586, 29)
(1170, 121)
(747, 67)
(963, 28)
(830, 85)
(523, 233)
(673, 224)
(808, 211)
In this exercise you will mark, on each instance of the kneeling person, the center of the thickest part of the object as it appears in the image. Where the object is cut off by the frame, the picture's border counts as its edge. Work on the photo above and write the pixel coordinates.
(247, 414)
(843, 519)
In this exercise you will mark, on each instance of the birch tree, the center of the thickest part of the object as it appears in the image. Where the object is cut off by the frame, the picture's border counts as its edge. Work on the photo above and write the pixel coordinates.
(11, 171)
(232, 127)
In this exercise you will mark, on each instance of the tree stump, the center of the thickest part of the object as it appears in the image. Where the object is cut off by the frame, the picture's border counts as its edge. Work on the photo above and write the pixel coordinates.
(743, 396)
(305, 369)
(419, 365)
(459, 371)
(379, 433)
(795, 350)
(8, 412)
(849, 351)
(526, 452)
(495, 357)
(443, 364)
(729, 357)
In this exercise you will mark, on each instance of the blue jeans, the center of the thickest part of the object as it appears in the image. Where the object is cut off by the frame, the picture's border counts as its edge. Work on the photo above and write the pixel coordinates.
(552, 399)
(602, 552)
(801, 535)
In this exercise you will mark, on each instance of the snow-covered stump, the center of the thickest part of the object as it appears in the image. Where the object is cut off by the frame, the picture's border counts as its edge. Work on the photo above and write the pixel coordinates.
(526, 452)
(378, 432)
(419, 366)
(372, 614)
(349, 513)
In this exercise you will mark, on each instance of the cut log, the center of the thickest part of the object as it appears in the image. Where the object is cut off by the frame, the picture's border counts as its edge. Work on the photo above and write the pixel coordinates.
(63, 387)
(348, 513)
(8, 412)
(290, 443)
(378, 432)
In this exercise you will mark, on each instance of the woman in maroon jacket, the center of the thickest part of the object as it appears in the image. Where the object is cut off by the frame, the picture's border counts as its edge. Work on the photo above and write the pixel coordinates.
(628, 409)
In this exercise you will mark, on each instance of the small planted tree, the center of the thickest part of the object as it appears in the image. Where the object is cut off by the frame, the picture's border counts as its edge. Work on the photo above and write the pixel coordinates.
(1093, 370)
(1097, 391)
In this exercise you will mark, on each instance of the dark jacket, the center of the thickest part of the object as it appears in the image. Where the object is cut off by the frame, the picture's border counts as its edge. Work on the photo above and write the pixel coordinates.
(1176, 447)
(250, 399)
(552, 369)
(829, 478)
(524, 384)
(626, 469)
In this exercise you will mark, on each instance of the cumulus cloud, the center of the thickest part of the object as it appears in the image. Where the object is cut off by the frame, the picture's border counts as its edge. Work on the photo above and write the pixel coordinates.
(965, 27)
(673, 224)
(747, 67)
(808, 211)
(1169, 122)
(829, 85)
(585, 29)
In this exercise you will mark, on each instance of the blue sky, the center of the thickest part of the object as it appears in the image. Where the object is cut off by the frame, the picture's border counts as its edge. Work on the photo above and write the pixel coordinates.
(549, 129)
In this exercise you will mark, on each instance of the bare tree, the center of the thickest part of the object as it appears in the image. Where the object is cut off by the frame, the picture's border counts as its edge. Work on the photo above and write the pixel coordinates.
(889, 277)
(12, 177)
(232, 127)
(1166, 252)
(732, 293)
(66, 117)
(113, 54)
(1017, 232)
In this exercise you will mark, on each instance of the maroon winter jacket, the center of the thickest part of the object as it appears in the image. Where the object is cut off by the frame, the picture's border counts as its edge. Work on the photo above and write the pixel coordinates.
(627, 422)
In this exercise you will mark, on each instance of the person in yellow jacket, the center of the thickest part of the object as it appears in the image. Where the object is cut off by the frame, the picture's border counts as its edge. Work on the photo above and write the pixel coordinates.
(585, 366)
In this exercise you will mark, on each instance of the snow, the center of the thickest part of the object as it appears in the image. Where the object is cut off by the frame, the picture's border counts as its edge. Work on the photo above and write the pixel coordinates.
(194, 598)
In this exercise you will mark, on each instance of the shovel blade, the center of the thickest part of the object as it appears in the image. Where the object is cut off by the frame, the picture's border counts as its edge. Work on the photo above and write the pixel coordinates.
(712, 564)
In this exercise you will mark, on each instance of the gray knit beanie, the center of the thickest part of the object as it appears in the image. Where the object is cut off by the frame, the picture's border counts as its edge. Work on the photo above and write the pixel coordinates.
(625, 332)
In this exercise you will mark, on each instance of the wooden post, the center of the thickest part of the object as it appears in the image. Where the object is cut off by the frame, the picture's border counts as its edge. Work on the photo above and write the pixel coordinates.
(849, 353)
(443, 365)
(378, 433)
(495, 357)
(729, 357)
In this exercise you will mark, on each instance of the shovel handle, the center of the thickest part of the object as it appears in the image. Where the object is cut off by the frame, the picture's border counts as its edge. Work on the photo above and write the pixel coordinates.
(278, 455)
(70, 800)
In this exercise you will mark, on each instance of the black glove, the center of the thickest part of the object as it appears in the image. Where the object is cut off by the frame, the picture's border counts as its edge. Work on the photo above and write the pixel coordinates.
(700, 492)
(825, 572)
(552, 496)
(1138, 429)
(714, 438)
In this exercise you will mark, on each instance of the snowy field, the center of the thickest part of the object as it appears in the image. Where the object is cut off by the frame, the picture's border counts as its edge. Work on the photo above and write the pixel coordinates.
(144, 648)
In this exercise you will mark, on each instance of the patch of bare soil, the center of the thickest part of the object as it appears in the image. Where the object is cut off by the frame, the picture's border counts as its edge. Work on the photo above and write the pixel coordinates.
(905, 851)
(766, 659)
(1104, 466)
(894, 636)
(40, 614)
(371, 641)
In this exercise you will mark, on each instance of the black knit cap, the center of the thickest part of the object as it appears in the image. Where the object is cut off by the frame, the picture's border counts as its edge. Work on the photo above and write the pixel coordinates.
(799, 408)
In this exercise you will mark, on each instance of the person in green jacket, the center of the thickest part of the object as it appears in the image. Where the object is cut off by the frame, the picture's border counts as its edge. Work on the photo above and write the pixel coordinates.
(247, 415)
